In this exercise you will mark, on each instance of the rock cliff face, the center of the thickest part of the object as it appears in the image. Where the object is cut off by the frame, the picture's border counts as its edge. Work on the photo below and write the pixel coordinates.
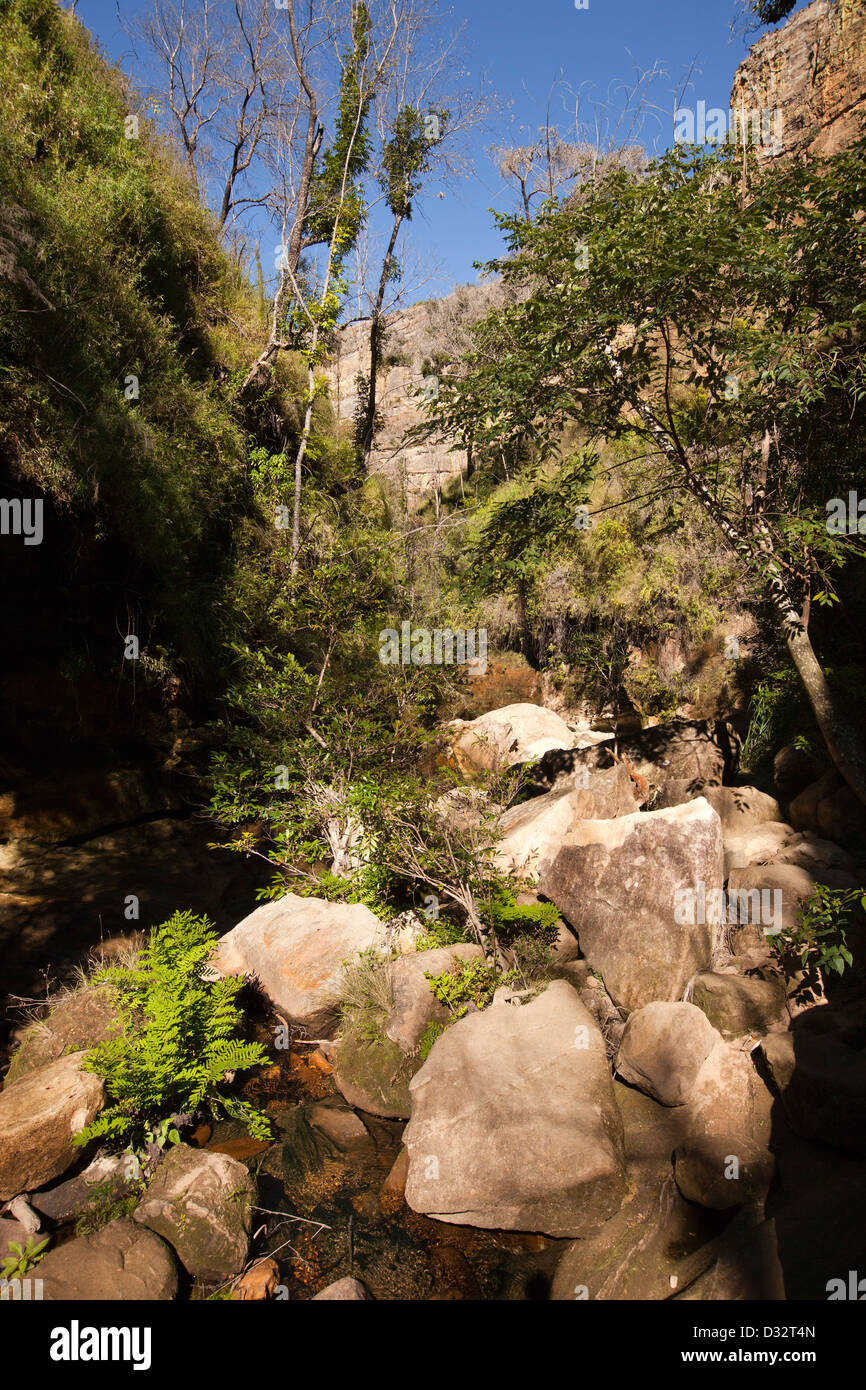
(420, 342)
(813, 70)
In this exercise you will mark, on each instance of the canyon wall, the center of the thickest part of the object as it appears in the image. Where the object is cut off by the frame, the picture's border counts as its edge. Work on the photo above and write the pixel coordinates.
(813, 71)
(420, 342)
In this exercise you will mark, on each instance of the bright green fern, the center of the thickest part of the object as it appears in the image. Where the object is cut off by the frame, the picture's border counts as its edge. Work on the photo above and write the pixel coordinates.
(175, 1038)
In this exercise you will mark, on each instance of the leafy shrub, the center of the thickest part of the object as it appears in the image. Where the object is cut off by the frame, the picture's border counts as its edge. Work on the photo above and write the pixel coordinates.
(23, 1258)
(176, 1037)
(776, 708)
(472, 982)
(511, 919)
(819, 941)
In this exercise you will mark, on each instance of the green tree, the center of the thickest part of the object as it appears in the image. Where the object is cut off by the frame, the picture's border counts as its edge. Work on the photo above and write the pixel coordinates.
(718, 313)
(772, 11)
(405, 160)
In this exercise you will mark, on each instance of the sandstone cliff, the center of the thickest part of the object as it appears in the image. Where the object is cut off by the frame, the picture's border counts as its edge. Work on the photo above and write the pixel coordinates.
(813, 70)
(420, 342)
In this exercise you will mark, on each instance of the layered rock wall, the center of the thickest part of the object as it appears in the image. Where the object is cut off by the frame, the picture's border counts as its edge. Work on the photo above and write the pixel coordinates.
(813, 72)
(420, 342)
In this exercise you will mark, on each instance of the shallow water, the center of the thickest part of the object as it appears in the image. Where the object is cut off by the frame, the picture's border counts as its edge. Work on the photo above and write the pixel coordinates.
(323, 1215)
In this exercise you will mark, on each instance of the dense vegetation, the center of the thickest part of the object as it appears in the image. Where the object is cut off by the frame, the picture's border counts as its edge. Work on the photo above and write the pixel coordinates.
(726, 301)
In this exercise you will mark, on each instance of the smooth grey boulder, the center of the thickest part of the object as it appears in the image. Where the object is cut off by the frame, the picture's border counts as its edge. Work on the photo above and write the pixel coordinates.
(629, 887)
(696, 753)
(634, 1255)
(663, 1048)
(759, 844)
(729, 1099)
(742, 809)
(814, 854)
(345, 1130)
(768, 895)
(506, 737)
(514, 1122)
(345, 1291)
(76, 1022)
(201, 1203)
(122, 1262)
(110, 1172)
(415, 1004)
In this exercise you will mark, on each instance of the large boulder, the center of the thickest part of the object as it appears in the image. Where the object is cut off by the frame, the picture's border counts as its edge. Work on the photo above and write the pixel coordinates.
(631, 888)
(121, 1262)
(344, 1129)
(758, 845)
(415, 1004)
(514, 1122)
(38, 1117)
(814, 854)
(201, 1203)
(295, 948)
(768, 895)
(719, 1171)
(651, 1133)
(730, 1100)
(739, 1004)
(742, 808)
(534, 830)
(744, 1265)
(663, 1048)
(564, 769)
(79, 1020)
(830, 809)
(694, 754)
(506, 737)
(108, 1174)
(634, 1255)
(374, 1076)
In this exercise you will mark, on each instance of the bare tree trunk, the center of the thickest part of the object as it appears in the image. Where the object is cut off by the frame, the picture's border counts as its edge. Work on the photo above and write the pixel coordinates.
(289, 267)
(369, 427)
(843, 741)
(299, 459)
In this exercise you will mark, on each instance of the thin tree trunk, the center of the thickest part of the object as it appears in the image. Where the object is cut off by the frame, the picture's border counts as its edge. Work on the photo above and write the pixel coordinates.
(369, 427)
(299, 459)
(843, 741)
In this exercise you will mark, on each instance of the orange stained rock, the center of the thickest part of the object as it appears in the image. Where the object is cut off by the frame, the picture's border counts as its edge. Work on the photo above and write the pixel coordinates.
(258, 1282)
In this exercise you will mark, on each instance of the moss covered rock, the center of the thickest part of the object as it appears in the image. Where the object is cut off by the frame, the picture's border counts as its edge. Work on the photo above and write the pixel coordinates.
(201, 1203)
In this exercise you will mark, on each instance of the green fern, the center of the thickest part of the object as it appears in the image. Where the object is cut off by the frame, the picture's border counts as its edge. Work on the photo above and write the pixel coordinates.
(175, 1037)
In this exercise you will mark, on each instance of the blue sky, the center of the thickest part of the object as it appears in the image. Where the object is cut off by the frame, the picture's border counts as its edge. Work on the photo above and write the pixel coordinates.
(522, 47)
